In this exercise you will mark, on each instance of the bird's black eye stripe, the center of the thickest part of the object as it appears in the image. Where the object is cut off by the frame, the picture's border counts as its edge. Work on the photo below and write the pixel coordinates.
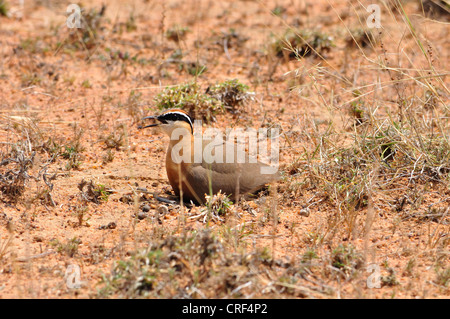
(175, 116)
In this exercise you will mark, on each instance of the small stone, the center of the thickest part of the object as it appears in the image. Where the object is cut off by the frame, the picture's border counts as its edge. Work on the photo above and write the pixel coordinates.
(146, 208)
(111, 225)
(304, 212)
(38, 239)
(141, 215)
(163, 210)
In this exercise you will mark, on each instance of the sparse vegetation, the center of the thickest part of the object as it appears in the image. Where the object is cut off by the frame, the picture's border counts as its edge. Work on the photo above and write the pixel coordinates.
(72, 151)
(231, 93)
(299, 43)
(88, 36)
(91, 192)
(3, 8)
(185, 267)
(361, 38)
(70, 247)
(346, 259)
(190, 98)
(177, 33)
(227, 95)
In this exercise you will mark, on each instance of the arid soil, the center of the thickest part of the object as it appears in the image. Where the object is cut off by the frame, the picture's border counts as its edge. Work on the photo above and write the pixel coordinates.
(71, 103)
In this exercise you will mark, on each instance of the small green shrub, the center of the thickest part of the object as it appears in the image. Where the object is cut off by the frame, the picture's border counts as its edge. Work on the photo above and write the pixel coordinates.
(302, 43)
(3, 8)
(189, 98)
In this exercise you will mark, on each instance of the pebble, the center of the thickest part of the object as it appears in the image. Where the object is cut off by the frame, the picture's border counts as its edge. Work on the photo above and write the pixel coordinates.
(163, 210)
(141, 215)
(304, 212)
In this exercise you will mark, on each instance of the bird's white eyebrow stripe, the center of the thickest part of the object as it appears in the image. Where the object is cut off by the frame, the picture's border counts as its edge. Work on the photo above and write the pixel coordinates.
(180, 113)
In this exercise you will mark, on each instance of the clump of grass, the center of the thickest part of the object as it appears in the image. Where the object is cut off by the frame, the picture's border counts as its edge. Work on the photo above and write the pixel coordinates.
(134, 105)
(177, 33)
(116, 139)
(278, 10)
(443, 277)
(86, 84)
(194, 265)
(231, 93)
(72, 151)
(70, 247)
(108, 157)
(95, 193)
(357, 109)
(29, 79)
(189, 98)
(346, 259)
(383, 153)
(218, 206)
(131, 23)
(229, 39)
(227, 95)
(19, 169)
(436, 8)
(361, 38)
(389, 280)
(80, 212)
(5, 247)
(3, 8)
(194, 68)
(15, 172)
(309, 256)
(87, 36)
(298, 43)
(30, 44)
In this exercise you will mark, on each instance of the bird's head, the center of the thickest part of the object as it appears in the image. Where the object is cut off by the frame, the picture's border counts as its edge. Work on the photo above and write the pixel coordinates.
(170, 120)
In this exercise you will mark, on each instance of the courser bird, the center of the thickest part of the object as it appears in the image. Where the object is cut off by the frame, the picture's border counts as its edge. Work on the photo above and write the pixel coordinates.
(192, 178)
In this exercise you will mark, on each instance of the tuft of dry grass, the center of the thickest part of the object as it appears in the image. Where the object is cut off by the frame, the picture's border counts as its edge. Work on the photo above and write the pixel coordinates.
(188, 266)
(299, 43)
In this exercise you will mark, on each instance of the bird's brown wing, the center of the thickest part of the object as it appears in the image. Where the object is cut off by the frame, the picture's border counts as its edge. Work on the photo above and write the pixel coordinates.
(230, 178)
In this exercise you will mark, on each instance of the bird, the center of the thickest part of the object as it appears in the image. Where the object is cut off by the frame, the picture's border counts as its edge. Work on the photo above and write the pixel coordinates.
(192, 177)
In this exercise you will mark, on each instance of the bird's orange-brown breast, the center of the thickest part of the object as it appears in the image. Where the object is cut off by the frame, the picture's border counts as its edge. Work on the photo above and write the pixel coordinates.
(178, 175)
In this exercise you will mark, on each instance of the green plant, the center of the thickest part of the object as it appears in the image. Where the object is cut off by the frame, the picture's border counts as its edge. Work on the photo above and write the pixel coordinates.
(30, 78)
(218, 205)
(86, 84)
(195, 68)
(72, 150)
(189, 98)
(177, 33)
(116, 139)
(361, 38)
(131, 23)
(108, 157)
(299, 43)
(231, 93)
(357, 111)
(391, 279)
(443, 277)
(3, 8)
(309, 255)
(278, 11)
(70, 248)
(86, 37)
(346, 258)
(95, 193)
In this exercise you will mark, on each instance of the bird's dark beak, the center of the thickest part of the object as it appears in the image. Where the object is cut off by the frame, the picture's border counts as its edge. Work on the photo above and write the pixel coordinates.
(150, 125)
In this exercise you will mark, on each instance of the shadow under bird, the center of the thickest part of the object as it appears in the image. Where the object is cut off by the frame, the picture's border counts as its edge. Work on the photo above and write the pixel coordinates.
(192, 178)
